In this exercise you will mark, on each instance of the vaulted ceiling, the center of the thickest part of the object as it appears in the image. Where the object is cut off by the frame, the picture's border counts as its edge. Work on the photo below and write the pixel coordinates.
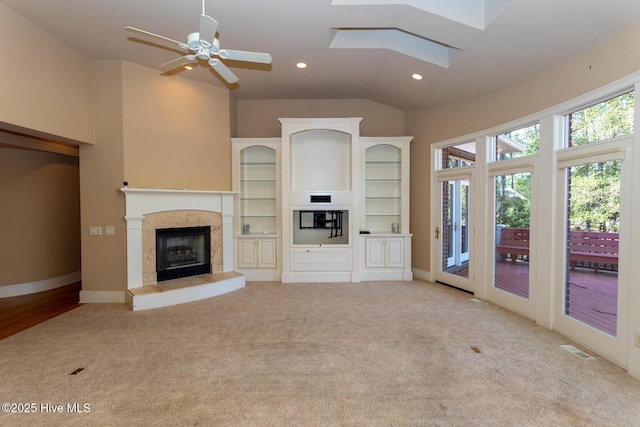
(355, 49)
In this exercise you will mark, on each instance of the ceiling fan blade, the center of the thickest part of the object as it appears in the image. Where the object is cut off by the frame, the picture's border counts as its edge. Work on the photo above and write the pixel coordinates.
(222, 69)
(240, 55)
(208, 28)
(155, 36)
(176, 63)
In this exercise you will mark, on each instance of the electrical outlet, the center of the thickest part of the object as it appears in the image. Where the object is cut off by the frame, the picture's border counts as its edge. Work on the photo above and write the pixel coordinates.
(109, 230)
(95, 230)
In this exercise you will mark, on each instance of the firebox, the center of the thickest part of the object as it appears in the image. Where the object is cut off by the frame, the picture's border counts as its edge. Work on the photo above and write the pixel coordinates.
(182, 252)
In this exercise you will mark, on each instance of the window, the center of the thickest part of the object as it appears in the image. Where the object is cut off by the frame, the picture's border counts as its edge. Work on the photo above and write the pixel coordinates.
(458, 155)
(605, 120)
(518, 142)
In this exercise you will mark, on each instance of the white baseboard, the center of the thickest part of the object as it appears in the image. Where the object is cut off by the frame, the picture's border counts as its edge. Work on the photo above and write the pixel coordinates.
(422, 275)
(100, 297)
(260, 275)
(39, 286)
(316, 277)
(372, 276)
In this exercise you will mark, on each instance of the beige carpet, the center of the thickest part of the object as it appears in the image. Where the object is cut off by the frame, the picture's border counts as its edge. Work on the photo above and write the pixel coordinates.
(271, 354)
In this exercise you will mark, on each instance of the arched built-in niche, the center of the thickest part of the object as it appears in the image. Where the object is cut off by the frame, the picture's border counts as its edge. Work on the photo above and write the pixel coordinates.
(320, 160)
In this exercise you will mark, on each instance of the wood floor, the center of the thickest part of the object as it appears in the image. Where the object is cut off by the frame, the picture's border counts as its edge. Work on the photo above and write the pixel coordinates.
(22, 312)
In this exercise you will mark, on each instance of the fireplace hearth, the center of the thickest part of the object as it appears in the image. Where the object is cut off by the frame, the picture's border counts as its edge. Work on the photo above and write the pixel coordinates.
(182, 252)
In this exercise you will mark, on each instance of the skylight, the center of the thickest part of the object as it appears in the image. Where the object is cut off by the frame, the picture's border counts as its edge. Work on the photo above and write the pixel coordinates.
(394, 39)
(474, 13)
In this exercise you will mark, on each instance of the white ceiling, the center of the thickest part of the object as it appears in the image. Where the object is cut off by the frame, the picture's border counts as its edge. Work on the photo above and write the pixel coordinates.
(526, 38)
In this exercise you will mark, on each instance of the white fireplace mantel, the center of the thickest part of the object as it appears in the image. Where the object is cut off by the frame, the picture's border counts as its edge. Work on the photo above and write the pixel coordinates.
(142, 201)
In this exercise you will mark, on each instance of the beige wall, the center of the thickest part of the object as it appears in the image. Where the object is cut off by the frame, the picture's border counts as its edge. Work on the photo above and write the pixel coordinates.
(45, 86)
(40, 216)
(176, 132)
(610, 61)
(101, 174)
(152, 131)
(259, 118)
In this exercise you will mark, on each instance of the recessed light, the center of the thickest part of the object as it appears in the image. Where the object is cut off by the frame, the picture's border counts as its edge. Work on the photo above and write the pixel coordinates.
(416, 76)
(301, 65)
(189, 67)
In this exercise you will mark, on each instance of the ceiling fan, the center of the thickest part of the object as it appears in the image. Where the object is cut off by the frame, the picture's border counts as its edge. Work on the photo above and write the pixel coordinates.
(204, 46)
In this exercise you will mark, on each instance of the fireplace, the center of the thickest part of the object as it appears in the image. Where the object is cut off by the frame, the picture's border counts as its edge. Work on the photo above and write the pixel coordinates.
(182, 252)
(149, 210)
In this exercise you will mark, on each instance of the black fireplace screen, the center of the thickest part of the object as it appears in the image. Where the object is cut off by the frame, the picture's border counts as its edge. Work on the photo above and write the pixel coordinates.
(182, 252)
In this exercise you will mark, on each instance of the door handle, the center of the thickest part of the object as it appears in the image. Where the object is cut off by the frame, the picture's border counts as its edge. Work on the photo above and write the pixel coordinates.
(437, 233)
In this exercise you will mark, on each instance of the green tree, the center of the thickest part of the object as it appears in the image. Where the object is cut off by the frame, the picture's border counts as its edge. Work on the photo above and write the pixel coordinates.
(513, 201)
(595, 188)
(595, 197)
(605, 120)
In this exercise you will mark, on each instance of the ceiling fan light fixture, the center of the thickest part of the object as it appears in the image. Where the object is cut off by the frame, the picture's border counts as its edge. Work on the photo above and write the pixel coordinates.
(203, 45)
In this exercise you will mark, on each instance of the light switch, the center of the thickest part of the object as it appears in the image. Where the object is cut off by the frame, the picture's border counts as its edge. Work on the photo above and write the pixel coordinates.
(109, 230)
(95, 230)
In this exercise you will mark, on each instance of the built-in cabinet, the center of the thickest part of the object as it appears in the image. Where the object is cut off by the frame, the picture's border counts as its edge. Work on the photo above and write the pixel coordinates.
(384, 252)
(322, 203)
(256, 176)
(386, 257)
(386, 184)
(257, 253)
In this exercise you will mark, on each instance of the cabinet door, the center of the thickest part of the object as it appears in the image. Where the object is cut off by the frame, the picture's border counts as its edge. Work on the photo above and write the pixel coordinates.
(374, 253)
(267, 253)
(395, 252)
(247, 253)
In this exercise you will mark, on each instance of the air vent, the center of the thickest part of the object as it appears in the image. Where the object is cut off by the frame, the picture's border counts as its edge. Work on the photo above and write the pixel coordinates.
(579, 353)
(320, 198)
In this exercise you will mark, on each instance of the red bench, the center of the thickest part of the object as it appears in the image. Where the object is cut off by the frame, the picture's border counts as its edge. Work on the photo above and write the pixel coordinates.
(593, 247)
(514, 242)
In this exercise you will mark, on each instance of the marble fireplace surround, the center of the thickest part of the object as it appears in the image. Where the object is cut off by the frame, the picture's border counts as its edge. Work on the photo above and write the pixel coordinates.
(149, 209)
(178, 219)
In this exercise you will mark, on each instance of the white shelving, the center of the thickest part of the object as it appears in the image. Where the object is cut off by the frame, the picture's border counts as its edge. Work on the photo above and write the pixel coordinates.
(386, 184)
(320, 166)
(383, 188)
(258, 189)
(385, 253)
(257, 227)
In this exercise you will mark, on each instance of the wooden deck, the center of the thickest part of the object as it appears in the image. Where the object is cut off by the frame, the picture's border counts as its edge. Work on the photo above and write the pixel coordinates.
(513, 277)
(591, 297)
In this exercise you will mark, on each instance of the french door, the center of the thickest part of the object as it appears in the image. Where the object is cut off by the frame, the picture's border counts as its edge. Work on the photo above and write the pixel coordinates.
(453, 230)
(592, 281)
